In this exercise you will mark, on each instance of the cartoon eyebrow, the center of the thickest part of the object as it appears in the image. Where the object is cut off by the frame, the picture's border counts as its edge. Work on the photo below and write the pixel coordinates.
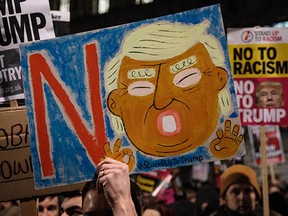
(184, 63)
(140, 73)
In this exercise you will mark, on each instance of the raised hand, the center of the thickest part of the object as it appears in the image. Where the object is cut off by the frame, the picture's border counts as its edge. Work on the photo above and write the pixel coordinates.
(227, 142)
(114, 180)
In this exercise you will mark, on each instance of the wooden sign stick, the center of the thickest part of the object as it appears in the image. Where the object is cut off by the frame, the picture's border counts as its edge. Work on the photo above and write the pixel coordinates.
(13, 103)
(272, 174)
(264, 171)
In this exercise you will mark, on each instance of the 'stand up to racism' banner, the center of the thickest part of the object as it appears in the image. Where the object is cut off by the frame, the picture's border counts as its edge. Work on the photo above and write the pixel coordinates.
(259, 61)
(154, 94)
(20, 22)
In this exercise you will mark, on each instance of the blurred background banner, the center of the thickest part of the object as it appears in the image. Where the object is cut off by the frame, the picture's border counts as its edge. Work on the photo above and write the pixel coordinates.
(275, 151)
(21, 22)
(260, 69)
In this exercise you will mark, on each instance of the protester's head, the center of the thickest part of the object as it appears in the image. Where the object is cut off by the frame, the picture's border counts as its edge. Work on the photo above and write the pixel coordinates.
(207, 200)
(240, 190)
(170, 74)
(10, 208)
(48, 206)
(184, 207)
(269, 94)
(159, 208)
(8, 204)
(94, 201)
(277, 203)
(71, 204)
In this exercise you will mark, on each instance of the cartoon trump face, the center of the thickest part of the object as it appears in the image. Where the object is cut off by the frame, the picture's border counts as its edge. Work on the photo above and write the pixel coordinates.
(164, 85)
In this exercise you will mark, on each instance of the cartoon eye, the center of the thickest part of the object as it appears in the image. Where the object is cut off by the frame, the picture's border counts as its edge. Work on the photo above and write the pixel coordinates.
(141, 88)
(187, 77)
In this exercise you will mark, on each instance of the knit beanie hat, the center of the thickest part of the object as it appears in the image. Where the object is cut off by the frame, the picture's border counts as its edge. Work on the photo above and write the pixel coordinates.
(239, 174)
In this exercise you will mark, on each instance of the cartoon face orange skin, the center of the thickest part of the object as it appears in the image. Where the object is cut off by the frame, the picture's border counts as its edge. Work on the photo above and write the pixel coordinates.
(169, 107)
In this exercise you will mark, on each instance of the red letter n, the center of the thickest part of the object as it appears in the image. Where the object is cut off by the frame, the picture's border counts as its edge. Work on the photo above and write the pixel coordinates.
(41, 69)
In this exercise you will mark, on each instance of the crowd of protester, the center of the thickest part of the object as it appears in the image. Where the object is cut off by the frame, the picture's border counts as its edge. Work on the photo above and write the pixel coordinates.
(114, 192)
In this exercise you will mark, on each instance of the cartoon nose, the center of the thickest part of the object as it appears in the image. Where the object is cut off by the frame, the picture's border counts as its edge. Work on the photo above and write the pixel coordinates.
(164, 95)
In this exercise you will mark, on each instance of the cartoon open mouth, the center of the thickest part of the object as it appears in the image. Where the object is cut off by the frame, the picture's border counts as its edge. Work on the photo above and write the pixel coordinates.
(168, 123)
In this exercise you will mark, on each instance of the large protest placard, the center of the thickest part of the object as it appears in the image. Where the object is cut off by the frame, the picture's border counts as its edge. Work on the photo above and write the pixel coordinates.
(154, 94)
(260, 70)
(20, 22)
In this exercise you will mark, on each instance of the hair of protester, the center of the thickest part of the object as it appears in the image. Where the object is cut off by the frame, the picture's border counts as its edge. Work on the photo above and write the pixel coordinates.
(51, 196)
(134, 189)
(42, 198)
(157, 41)
(274, 84)
(239, 173)
(70, 194)
(161, 207)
